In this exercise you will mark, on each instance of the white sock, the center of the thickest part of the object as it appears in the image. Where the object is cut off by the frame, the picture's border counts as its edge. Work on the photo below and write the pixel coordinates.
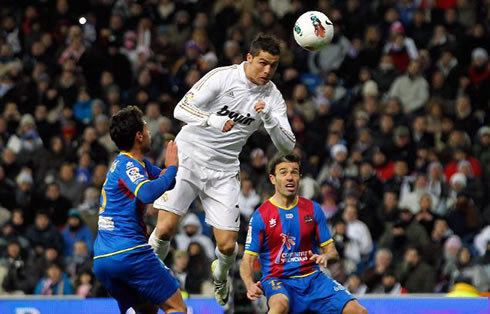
(225, 263)
(160, 247)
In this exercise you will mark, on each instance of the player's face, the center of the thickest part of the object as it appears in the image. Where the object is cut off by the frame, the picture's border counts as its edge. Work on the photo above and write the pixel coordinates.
(261, 68)
(286, 179)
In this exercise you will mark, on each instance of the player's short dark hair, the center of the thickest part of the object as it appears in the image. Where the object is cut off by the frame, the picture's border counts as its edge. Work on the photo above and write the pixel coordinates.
(266, 43)
(276, 160)
(124, 125)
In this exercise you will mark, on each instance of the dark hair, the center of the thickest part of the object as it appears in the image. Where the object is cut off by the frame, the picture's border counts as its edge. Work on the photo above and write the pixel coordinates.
(124, 125)
(276, 160)
(266, 43)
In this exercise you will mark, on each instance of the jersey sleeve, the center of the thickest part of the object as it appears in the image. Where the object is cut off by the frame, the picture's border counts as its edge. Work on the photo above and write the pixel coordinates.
(153, 171)
(277, 125)
(321, 229)
(193, 107)
(255, 234)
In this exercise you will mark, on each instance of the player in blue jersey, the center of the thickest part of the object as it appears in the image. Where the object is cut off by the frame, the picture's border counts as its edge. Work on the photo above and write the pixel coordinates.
(290, 236)
(124, 262)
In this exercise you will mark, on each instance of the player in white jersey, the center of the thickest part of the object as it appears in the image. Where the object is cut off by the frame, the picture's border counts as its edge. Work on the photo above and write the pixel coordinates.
(221, 111)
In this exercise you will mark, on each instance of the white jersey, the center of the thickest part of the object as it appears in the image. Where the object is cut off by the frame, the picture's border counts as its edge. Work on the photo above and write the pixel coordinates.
(225, 91)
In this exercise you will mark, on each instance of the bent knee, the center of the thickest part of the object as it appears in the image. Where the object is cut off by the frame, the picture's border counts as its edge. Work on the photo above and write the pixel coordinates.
(279, 304)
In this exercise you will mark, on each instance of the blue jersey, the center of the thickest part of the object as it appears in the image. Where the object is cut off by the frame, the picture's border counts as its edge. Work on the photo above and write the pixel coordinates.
(282, 237)
(121, 226)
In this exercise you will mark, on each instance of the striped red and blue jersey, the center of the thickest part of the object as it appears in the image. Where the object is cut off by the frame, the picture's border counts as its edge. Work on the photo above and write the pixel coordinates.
(121, 224)
(282, 237)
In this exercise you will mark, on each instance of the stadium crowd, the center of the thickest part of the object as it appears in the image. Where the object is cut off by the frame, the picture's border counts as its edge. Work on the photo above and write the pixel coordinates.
(392, 121)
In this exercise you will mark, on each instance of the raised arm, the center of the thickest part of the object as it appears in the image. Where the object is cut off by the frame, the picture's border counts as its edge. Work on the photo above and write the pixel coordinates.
(277, 125)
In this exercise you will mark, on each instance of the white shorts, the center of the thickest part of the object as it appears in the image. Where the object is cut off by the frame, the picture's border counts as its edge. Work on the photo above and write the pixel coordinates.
(218, 191)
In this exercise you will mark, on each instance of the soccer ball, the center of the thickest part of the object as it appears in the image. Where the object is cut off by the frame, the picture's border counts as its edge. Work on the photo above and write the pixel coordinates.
(313, 30)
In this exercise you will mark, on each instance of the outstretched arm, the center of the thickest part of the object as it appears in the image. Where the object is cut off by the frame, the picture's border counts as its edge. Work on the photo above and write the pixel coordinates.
(277, 125)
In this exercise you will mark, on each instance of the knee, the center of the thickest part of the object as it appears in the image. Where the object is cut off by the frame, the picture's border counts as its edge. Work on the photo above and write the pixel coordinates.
(227, 247)
(279, 305)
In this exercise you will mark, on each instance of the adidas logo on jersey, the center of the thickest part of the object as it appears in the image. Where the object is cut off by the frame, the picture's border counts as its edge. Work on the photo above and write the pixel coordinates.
(235, 116)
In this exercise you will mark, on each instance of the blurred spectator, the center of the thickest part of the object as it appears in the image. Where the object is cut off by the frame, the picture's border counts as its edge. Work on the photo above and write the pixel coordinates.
(199, 269)
(191, 231)
(180, 262)
(406, 231)
(412, 89)
(80, 259)
(401, 48)
(56, 282)
(248, 198)
(75, 231)
(21, 274)
(414, 274)
(43, 234)
(412, 200)
(373, 276)
(56, 205)
(390, 284)
(68, 184)
(465, 267)
(357, 230)
(355, 285)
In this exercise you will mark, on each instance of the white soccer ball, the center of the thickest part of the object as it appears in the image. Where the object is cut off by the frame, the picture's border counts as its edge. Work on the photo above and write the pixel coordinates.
(313, 30)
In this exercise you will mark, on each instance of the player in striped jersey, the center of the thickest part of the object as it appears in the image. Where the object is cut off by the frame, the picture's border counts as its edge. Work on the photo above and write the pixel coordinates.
(290, 236)
(222, 110)
(124, 262)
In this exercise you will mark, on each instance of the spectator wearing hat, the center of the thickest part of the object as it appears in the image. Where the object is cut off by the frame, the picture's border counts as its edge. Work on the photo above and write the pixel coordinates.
(25, 194)
(191, 231)
(74, 231)
(412, 89)
(479, 79)
(400, 47)
(411, 200)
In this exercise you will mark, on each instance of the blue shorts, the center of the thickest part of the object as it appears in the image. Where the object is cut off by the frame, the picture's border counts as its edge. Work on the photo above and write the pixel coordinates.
(134, 277)
(317, 292)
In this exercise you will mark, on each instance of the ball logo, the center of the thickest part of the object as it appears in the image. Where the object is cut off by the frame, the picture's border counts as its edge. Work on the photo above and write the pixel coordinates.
(298, 30)
(319, 29)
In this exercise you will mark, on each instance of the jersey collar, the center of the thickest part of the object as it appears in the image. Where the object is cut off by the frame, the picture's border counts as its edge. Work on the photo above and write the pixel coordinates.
(128, 154)
(286, 208)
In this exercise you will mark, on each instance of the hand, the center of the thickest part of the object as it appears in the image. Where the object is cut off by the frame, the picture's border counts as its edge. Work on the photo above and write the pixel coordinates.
(398, 231)
(171, 155)
(254, 291)
(261, 106)
(228, 126)
(320, 259)
(222, 123)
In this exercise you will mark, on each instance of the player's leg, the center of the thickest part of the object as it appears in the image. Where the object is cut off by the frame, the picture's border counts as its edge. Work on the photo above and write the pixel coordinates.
(279, 296)
(152, 279)
(278, 304)
(325, 295)
(162, 234)
(146, 308)
(354, 307)
(220, 202)
(173, 205)
(174, 304)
